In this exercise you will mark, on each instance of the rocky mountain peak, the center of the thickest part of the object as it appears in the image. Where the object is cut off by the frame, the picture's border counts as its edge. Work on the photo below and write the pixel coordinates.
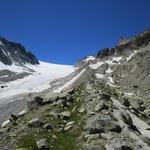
(11, 52)
(135, 43)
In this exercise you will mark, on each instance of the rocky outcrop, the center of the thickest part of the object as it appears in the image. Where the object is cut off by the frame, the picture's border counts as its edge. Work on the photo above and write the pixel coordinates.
(141, 40)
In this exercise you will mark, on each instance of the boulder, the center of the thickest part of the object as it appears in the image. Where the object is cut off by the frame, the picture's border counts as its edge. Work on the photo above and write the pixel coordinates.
(126, 102)
(22, 113)
(38, 100)
(66, 115)
(34, 103)
(127, 119)
(35, 122)
(82, 110)
(13, 118)
(42, 144)
(102, 126)
(100, 106)
(69, 125)
(62, 102)
(105, 96)
(47, 126)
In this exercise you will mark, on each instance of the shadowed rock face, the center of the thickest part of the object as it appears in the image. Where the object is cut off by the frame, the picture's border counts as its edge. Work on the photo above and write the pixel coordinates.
(135, 43)
(14, 52)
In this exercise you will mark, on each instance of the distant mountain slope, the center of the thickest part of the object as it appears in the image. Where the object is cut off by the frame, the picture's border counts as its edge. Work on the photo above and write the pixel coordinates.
(11, 52)
(21, 71)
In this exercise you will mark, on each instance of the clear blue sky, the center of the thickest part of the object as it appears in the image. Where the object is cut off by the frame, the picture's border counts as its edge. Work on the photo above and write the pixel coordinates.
(62, 31)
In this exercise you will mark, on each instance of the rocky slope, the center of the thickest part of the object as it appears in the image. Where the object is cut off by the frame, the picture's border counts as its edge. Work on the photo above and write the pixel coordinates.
(103, 105)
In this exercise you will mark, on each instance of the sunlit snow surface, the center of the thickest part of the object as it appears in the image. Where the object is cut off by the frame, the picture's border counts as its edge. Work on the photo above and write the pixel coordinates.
(36, 82)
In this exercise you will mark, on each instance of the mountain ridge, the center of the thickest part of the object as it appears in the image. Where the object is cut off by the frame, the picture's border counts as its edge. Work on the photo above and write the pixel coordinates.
(11, 52)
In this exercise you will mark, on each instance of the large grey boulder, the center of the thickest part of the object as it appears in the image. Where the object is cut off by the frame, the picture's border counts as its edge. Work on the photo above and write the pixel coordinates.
(100, 106)
(42, 144)
(127, 119)
(35, 122)
(34, 101)
(101, 126)
(65, 115)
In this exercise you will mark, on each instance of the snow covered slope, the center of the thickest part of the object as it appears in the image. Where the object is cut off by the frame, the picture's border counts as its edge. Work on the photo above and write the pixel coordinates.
(37, 81)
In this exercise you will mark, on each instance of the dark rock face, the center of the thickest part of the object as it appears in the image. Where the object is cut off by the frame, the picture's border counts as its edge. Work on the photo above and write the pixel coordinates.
(105, 52)
(13, 52)
(142, 40)
(7, 76)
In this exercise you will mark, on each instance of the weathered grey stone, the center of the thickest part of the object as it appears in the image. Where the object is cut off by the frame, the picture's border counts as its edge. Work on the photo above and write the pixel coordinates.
(66, 115)
(47, 126)
(69, 125)
(38, 100)
(127, 119)
(101, 126)
(126, 102)
(81, 110)
(105, 96)
(100, 106)
(13, 118)
(35, 122)
(42, 144)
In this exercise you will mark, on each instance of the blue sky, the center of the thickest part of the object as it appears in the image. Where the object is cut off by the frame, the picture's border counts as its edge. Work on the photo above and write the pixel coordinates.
(63, 31)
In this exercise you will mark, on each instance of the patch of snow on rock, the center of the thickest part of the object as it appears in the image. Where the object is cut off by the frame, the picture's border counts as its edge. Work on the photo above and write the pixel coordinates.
(22, 112)
(99, 76)
(109, 70)
(89, 58)
(69, 83)
(117, 58)
(5, 123)
(130, 56)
